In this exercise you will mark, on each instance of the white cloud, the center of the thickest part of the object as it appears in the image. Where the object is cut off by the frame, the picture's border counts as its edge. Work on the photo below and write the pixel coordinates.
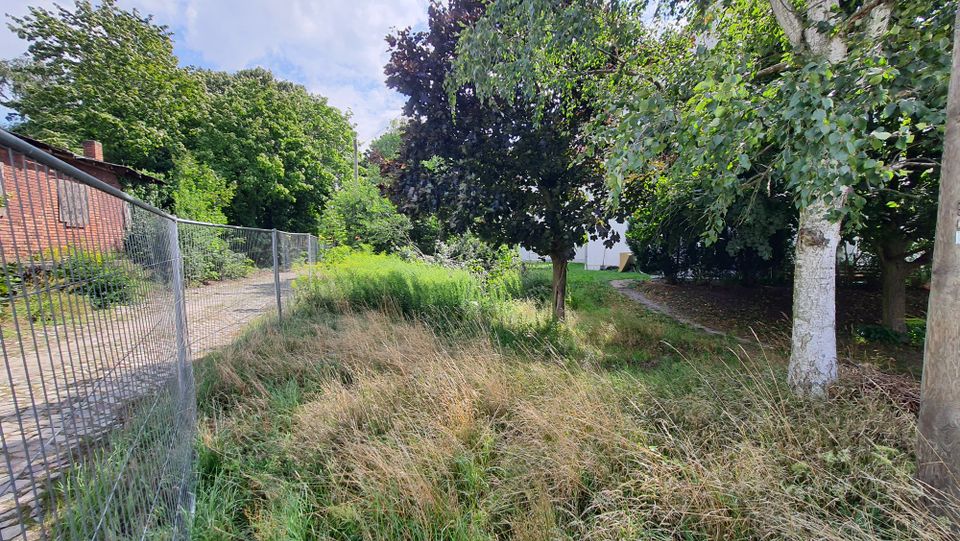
(334, 47)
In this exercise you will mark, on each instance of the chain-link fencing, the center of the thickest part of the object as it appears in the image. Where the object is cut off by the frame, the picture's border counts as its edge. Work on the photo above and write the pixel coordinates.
(105, 302)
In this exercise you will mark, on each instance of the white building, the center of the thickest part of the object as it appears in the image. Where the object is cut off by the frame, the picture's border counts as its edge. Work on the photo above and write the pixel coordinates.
(594, 255)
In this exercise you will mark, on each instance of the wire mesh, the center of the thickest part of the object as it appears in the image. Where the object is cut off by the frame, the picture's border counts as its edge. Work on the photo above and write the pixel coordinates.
(294, 251)
(229, 281)
(104, 305)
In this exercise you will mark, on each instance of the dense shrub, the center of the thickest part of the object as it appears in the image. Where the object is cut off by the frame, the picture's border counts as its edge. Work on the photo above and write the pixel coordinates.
(358, 214)
(426, 233)
(199, 193)
(497, 266)
(106, 280)
(666, 235)
(207, 256)
(11, 276)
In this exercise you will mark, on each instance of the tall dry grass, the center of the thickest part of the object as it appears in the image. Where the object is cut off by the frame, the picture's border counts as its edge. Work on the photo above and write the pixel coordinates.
(364, 426)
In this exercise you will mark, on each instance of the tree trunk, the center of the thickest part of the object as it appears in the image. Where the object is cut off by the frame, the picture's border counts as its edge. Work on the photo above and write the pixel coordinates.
(559, 285)
(813, 353)
(938, 449)
(894, 272)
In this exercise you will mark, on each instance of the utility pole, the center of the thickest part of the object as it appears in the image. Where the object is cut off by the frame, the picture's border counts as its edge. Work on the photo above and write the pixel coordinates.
(356, 160)
(938, 449)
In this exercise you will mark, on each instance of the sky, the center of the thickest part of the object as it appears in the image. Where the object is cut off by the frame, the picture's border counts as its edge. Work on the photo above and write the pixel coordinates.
(333, 47)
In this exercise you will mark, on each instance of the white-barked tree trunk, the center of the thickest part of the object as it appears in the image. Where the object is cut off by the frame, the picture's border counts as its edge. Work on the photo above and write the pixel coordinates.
(813, 350)
(813, 353)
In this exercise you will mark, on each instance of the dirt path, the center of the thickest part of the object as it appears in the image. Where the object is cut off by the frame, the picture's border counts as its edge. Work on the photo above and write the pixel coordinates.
(627, 289)
(68, 384)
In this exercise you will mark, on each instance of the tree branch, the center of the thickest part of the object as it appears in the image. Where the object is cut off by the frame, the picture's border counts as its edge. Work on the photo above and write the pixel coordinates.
(879, 13)
(907, 164)
(789, 21)
(771, 70)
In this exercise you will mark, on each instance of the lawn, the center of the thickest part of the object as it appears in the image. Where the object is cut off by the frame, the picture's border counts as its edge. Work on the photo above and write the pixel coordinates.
(577, 273)
(403, 401)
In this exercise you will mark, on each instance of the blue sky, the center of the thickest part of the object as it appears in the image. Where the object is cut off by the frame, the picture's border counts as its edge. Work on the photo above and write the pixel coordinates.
(333, 47)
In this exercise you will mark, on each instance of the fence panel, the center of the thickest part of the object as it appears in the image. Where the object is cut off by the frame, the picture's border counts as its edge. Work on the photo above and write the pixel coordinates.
(294, 251)
(95, 413)
(105, 302)
(228, 273)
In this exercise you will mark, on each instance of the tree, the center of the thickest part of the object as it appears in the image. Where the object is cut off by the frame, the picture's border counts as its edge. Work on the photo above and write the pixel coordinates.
(99, 72)
(357, 214)
(381, 160)
(199, 192)
(898, 230)
(666, 234)
(938, 452)
(771, 97)
(282, 147)
(510, 172)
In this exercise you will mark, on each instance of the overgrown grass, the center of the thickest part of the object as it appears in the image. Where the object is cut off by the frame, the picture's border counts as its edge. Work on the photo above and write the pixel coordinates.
(128, 484)
(361, 418)
(374, 281)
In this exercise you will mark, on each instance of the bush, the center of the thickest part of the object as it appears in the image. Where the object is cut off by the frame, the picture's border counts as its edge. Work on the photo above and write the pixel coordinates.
(11, 276)
(358, 215)
(536, 286)
(426, 233)
(207, 256)
(107, 281)
(917, 330)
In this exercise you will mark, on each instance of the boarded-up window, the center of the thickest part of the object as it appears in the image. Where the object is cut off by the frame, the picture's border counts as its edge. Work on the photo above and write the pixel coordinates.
(74, 203)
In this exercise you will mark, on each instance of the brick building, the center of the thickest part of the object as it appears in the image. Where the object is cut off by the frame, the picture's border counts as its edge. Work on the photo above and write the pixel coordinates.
(43, 210)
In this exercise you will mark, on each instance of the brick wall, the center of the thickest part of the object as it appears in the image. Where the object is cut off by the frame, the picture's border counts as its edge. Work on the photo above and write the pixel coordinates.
(30, 219)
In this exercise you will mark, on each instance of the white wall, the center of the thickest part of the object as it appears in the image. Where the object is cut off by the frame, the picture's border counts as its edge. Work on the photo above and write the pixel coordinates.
(599, 256)
(594, 255)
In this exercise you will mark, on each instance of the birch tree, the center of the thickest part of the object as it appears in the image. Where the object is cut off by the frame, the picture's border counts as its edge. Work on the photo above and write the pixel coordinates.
(819, 103)
(813, 351)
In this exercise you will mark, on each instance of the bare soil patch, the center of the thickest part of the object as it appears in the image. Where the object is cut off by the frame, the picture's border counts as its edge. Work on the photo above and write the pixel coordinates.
(765, 311)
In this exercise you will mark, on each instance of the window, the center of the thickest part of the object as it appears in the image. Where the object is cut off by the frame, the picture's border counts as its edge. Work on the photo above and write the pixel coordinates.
(74, 203)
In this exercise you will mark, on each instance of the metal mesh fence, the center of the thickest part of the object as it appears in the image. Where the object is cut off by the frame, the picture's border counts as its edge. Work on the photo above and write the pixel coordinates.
(104, 304)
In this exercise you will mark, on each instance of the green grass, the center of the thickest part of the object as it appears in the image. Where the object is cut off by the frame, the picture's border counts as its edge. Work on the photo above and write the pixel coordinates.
(363, 418)
(375, 281)
(577, 273)
(126, 486)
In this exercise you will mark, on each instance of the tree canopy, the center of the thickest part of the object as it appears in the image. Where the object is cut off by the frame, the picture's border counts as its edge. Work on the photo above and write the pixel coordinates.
(829, 104)
(100, 72)
(282, 147)
(497, 170)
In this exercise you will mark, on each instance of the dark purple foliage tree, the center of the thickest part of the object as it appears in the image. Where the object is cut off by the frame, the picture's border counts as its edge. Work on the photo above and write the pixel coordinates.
(514, 173)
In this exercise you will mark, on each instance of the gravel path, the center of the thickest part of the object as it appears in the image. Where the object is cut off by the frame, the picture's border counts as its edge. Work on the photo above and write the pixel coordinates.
(69, 384)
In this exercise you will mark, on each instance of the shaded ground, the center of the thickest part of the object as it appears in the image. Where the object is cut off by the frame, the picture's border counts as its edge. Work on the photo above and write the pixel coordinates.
(765, 310)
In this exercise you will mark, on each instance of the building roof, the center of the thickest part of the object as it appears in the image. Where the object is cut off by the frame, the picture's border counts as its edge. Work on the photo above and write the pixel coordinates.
(115, 168)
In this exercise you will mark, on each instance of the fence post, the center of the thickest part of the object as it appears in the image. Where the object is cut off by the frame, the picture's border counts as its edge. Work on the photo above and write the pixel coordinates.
(276, 274)
(187, 403)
